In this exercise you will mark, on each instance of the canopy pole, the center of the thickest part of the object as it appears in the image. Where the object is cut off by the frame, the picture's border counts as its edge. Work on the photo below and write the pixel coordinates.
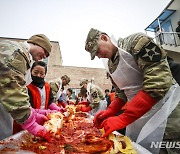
(160, 30)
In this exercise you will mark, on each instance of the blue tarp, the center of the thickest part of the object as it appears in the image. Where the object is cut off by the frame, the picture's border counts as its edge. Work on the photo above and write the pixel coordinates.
(162, 17)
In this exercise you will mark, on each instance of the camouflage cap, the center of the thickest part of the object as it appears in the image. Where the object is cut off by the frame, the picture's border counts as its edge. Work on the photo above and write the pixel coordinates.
(82, 81)
(65, 77)
(91, 44)
(42, 41)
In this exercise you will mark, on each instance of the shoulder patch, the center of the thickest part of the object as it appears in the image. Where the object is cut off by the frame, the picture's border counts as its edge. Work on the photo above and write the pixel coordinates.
(150, 52)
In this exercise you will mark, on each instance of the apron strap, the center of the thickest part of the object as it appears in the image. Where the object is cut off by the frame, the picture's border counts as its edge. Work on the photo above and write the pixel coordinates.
(58, 94)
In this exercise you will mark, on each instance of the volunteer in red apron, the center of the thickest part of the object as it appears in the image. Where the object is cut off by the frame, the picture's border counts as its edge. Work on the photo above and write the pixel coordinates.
(142, 73)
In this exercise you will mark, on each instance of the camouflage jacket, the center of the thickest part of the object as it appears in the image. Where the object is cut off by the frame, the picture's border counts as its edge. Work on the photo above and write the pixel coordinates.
(96, 95)
(152, 61)
(55, 85)
(14, 62)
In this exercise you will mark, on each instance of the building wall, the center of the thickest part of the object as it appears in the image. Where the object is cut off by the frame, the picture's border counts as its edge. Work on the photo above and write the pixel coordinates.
(175, 56)
(55, 58)
(77, 73)
(174, 18)
(173, 50)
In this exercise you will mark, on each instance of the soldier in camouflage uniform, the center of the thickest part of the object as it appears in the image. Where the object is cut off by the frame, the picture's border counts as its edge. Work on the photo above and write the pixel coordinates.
(95, 97)
(139, 68)
(57, 85)
(15, 59)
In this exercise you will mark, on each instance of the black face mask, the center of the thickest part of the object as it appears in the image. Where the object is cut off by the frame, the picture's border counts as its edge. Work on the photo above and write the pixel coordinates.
(38, 81)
